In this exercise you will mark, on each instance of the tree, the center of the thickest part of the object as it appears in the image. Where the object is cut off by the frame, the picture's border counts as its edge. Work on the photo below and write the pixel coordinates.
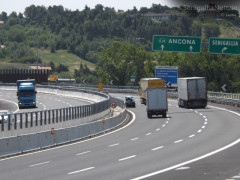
(119, 61)
(211, 30)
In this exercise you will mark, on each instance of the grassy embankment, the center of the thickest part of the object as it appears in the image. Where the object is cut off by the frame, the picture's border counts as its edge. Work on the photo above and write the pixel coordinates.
(59, 57)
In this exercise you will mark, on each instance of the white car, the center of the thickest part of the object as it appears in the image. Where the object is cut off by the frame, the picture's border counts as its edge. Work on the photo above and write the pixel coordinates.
(4, 115)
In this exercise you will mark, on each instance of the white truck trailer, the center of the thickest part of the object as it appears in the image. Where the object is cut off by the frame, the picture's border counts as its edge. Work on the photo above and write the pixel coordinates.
(157, 102)
(149, 83)
(192, 92)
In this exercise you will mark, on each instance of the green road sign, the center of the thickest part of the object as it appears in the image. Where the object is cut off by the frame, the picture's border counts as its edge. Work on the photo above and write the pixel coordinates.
(177, 43)
(132, 77)
(224, 46)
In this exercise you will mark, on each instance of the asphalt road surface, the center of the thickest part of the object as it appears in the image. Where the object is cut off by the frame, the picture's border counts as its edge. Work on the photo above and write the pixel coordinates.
(188, 144)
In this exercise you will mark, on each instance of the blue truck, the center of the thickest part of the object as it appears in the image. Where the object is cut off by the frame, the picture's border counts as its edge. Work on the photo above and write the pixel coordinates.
(26, 93)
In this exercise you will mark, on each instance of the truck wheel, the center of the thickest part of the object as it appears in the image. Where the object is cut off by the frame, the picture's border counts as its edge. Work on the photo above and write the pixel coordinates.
(164, 114)
(179, 104)
(149, 116)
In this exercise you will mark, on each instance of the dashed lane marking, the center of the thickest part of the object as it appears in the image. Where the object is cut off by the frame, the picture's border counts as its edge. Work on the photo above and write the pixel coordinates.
(82, 170)
(182, 168)
(126, 158)
(83, 153)
(160, 147)
(42, 163)
(112, 145)
(178, 141)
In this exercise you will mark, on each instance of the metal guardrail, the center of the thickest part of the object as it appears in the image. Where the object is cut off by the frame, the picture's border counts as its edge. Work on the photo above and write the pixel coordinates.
(33, 122)
(28, 142)
(217, 97)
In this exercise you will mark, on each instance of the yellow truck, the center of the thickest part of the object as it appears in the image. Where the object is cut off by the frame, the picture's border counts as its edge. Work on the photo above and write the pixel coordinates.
(149, 83)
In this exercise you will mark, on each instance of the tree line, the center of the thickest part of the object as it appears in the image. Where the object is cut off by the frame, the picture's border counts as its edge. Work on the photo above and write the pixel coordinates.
(118, 42)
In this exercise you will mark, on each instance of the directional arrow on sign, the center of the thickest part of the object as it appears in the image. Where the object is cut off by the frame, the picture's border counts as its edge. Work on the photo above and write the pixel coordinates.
(111, 82)
(224, 88)
(224, 49)
(162, 46)
(84, 81)
(168, 84)
(191, 48)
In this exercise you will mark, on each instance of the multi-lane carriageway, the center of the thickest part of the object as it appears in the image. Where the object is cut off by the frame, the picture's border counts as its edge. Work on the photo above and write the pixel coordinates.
(188, 144)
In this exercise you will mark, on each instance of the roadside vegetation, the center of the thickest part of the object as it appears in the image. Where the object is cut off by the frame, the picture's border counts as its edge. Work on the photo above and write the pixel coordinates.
(103, 44)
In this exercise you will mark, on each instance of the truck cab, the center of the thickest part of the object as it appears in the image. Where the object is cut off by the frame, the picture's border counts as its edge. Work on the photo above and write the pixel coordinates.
(26, 93)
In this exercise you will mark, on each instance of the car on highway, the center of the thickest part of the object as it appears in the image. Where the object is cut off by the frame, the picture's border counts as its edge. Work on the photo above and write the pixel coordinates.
(4, 114)
(129, 101)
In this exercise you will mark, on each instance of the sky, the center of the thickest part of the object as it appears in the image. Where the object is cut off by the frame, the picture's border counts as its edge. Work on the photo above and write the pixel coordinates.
(19, 5)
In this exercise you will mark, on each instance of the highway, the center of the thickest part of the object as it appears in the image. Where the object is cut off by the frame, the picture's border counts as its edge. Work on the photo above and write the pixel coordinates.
(188, 144)
(8, 100)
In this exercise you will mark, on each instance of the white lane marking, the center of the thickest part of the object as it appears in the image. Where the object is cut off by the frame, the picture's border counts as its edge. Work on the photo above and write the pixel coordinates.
(182, 168)
(204, 117)
(192, 135)
(126, 158)
(134, 139)
(42, 163)
(199, 130)
(206, 120)
(74, 172)
(163, 125)
(148, 134)
(83, 153)
(196, 111)
(203, 127)
(160, 147)
(133, 119)
(157, 129)
(236, 177)
(200, 114)
(205, 123)
(112, 145)
(178, 141)
(188, 162)
(166, 122)
(11, 102)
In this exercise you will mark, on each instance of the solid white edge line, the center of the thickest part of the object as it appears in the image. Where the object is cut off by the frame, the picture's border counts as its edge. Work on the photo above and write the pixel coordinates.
(188, 162)
(62, 146)
(74, 172)
(195, 159)
(13, 103)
